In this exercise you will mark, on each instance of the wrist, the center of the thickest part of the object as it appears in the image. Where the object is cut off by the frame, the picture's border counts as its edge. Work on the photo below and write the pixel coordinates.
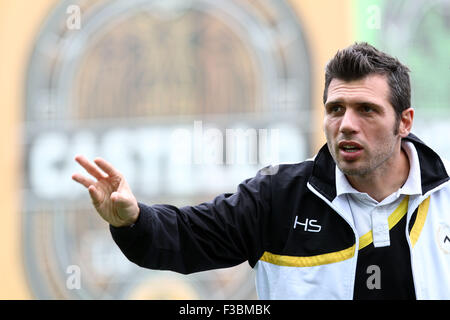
(130, 222)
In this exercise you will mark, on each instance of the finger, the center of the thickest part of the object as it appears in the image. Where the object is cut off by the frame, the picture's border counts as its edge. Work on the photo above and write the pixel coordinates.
(83, 180)
(107, 167)
(95, 195)
(89, 167)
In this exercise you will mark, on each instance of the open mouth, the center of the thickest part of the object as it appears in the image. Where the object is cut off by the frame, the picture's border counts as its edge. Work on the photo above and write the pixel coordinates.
(350, 150)
(349, 145)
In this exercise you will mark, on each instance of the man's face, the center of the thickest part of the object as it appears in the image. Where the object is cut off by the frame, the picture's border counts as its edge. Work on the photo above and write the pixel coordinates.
(360, 124)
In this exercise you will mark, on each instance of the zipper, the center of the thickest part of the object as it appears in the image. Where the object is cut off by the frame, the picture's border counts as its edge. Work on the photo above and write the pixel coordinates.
(355, 256)
(408, 215)
(414, 276)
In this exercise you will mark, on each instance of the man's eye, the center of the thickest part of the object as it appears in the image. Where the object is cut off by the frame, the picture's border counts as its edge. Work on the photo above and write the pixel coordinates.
(335, 109)
(367, 109)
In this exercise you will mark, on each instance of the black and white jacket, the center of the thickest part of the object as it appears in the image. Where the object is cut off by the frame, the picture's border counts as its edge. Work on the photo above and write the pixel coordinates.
(259, 223)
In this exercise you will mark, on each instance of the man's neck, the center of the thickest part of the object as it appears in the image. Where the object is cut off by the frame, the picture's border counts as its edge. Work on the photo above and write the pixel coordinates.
(386, 179)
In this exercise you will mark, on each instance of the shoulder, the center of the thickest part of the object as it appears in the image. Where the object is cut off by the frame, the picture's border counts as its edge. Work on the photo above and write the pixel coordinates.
(291, 170)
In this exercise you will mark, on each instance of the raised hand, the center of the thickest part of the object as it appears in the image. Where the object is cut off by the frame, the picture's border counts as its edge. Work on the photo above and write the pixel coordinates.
(110, 192)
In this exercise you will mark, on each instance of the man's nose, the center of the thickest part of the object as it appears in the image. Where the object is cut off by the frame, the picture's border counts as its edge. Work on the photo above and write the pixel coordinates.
(349, 122)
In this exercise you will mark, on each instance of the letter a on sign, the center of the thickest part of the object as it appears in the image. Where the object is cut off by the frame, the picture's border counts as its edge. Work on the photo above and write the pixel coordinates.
(73, 22)
(374, 19)
(374, 281)
(74, 279)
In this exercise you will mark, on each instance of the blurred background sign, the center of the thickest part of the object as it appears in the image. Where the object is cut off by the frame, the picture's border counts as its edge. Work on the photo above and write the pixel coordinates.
(187, 98)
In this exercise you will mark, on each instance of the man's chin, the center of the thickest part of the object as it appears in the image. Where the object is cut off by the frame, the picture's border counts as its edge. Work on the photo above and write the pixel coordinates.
(353, 170)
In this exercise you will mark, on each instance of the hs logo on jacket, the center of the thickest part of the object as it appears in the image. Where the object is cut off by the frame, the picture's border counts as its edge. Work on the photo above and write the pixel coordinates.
(309, 225)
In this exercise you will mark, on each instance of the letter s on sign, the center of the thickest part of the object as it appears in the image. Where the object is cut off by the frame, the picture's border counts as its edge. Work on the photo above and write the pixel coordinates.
(314, 227)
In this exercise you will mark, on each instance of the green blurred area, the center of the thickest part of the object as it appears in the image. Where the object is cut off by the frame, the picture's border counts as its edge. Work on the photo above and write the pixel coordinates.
(418, 33)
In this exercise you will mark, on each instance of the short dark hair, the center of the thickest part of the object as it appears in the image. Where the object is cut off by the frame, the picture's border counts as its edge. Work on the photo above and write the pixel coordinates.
(360, 60)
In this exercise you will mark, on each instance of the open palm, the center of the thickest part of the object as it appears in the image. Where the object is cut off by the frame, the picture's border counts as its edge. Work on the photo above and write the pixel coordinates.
(110, 193)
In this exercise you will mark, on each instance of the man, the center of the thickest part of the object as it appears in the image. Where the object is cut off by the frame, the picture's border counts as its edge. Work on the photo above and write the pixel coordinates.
(367, 218)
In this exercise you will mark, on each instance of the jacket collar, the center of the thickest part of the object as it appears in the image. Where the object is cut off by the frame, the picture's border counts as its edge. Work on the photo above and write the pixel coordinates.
(432, 169)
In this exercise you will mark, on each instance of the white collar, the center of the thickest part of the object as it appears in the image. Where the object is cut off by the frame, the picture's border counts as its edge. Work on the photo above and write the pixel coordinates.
(413, 184)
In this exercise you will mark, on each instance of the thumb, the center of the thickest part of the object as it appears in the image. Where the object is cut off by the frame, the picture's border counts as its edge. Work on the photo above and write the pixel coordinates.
(119, 199)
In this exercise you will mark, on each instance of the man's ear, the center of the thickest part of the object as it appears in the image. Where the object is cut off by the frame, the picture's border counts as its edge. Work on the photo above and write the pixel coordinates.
(406, 122)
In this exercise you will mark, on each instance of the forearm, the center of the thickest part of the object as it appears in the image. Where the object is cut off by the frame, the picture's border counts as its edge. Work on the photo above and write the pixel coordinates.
(178, 239)
(222, 233)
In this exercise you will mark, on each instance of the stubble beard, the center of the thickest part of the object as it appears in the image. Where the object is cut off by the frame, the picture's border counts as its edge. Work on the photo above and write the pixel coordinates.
(368, 167)
(374, 160)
